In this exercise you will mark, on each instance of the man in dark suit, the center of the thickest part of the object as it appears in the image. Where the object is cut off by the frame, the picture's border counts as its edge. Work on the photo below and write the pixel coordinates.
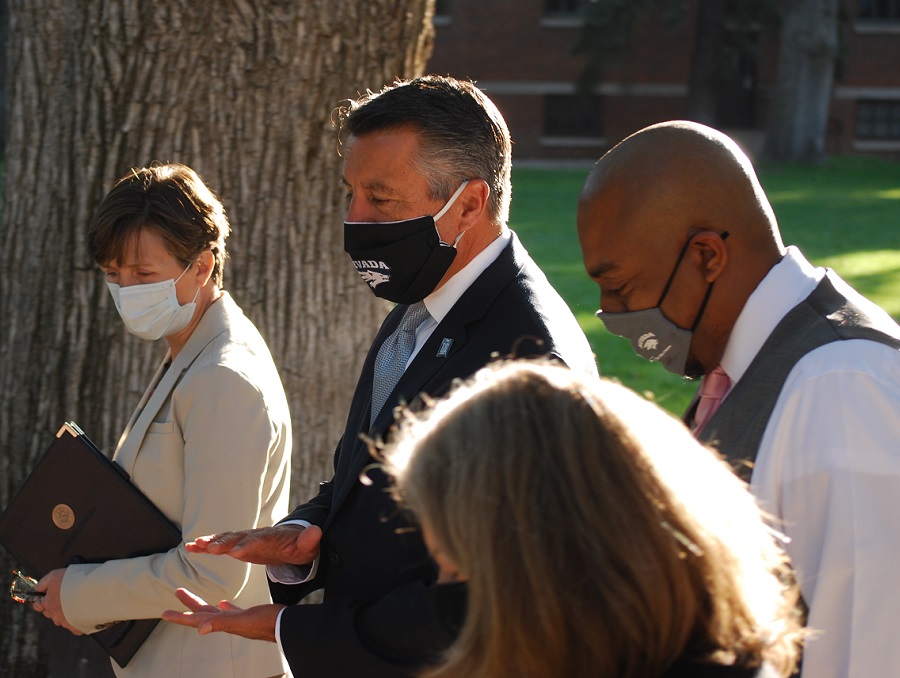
(431, 146)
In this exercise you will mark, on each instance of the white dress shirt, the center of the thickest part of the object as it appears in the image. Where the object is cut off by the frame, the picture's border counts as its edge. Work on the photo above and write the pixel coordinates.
(828, 472)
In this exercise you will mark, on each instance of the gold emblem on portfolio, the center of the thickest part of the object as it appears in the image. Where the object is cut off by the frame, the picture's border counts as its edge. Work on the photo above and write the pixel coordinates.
(63, 516)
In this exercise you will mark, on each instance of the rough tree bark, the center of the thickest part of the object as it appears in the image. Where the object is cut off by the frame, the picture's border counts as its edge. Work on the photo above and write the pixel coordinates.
(241, 90)
(800, 102)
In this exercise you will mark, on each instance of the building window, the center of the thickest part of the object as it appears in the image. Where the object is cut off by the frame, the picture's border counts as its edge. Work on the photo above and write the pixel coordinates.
(573, 116)
(879, 10)
(563, 7)
(878, 120)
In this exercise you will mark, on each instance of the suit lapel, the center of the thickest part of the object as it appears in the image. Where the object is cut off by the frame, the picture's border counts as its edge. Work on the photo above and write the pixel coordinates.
(154, 383)
(153, 400)
(213, 323)
(451, 335)
(429, 361)
(432, 364)
(434, 356)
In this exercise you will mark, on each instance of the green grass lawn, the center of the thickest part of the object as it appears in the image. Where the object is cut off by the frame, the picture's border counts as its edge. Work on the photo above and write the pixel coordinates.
(845, 215)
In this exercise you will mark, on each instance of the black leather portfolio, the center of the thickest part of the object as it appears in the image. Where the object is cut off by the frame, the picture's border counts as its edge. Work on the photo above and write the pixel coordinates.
(78, 506)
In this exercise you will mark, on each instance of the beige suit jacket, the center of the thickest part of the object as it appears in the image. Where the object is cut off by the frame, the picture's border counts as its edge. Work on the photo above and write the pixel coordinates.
(210, 444)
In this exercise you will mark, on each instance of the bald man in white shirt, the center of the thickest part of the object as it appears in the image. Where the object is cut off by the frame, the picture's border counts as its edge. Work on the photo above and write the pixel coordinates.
(682, 241)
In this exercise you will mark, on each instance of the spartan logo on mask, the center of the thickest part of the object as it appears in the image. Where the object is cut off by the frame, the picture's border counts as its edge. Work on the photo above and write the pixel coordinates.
(373, 272)
(649, 342)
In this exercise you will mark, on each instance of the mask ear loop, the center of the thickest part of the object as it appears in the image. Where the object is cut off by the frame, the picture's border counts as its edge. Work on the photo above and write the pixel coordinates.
(184, 271)
(452, 200)
(674, 271)
(681, 254)
(197, 293)
(703, 306)
(706, 296)
(444, 209)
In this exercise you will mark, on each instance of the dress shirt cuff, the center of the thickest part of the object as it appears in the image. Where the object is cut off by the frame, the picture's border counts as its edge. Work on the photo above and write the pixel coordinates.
(293, 574)
(278, 632)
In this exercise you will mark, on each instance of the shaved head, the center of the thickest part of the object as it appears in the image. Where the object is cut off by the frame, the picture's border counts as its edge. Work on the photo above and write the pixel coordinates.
(667, 187)
(688, 176)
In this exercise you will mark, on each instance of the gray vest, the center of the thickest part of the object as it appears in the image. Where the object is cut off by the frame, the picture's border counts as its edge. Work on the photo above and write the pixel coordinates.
(826, 315)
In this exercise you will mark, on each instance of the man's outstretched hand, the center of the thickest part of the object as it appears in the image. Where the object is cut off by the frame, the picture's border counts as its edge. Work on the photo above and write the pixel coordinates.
(255, 623)
(279, 545)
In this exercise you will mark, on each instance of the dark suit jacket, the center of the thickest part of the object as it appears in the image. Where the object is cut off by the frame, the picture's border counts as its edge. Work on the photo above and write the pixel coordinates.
(381, 615)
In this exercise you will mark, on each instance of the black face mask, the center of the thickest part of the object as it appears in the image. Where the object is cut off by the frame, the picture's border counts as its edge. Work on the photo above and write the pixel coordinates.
(401, 261)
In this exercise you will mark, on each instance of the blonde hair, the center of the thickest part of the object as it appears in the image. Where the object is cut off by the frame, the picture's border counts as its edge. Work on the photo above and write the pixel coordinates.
(597, 536)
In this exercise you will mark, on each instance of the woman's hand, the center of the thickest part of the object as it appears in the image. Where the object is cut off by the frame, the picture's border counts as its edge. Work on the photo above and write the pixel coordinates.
(51, 605)
(255, 623)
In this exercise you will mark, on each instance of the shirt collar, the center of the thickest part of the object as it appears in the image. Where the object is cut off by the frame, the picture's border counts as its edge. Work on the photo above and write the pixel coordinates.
(442, 300)
(788, 283)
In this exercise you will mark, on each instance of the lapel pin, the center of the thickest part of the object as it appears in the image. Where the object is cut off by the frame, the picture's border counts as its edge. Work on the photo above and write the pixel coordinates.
(444, 350)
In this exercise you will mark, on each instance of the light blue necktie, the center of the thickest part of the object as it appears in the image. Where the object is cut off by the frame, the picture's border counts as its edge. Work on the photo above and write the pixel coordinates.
(390, 363)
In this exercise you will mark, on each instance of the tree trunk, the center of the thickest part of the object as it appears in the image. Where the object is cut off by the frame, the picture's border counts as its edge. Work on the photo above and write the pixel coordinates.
(241, 91)
(799, 107)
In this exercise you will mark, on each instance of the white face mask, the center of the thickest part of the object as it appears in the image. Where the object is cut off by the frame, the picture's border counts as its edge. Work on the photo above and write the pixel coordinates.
(152, 311)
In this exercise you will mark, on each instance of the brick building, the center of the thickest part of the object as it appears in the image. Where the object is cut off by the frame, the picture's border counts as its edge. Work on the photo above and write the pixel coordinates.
(521, 53)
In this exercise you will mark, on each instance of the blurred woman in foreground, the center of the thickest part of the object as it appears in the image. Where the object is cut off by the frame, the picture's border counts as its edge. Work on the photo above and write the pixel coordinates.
(595, 535)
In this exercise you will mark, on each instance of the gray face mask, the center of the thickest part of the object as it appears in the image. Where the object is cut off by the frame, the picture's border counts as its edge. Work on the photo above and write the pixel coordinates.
(653, 336)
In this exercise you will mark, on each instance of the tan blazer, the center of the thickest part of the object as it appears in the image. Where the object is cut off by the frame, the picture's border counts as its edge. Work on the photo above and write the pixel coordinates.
(210, 444)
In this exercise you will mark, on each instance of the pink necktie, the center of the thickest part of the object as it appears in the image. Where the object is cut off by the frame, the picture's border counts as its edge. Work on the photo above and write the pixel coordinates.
(714, 387)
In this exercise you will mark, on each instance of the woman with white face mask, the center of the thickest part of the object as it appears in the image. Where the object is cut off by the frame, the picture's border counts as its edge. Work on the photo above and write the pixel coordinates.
(210, 440)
